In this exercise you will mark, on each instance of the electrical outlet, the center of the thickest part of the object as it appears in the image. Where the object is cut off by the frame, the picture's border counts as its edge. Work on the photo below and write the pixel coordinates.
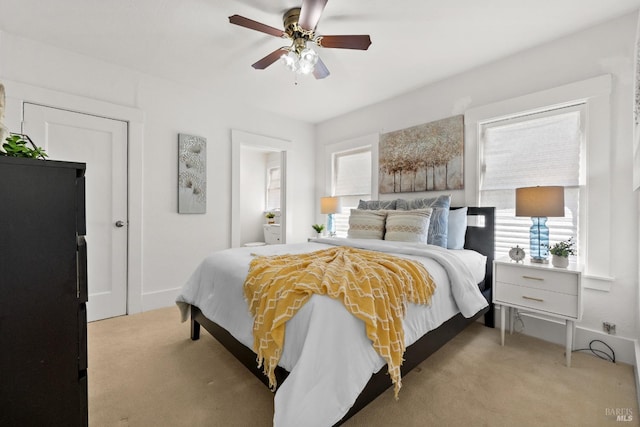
(609, 328)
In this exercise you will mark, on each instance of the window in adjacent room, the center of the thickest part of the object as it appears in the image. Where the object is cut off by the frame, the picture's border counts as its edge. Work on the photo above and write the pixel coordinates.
(351, 177)
(273, 188)
(541, 148)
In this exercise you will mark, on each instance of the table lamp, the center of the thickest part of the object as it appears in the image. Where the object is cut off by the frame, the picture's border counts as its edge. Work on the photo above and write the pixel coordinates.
(540, 203)
(330, 206)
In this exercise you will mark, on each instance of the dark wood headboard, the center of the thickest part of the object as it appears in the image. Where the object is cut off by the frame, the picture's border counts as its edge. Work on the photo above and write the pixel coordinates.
(482, 239)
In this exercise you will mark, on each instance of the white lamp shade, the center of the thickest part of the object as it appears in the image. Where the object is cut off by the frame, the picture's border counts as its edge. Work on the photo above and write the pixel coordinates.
(540, 201)
(330, 205)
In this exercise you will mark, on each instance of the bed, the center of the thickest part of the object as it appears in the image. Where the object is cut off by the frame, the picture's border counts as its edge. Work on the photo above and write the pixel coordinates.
(315, 349)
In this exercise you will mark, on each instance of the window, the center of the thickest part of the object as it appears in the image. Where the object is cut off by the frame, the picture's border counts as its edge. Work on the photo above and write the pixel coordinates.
(351, 181)
(542, 148)
(273, 188)
(594, 225)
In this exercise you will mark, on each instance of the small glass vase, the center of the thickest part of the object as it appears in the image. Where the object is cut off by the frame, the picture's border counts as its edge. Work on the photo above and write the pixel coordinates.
(559, 261)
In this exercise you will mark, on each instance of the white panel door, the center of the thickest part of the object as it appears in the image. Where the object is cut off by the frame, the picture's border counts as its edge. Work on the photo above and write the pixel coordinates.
(102, 144)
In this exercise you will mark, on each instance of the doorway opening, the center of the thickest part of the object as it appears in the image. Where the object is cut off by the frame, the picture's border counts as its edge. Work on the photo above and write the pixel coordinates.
(256, 160)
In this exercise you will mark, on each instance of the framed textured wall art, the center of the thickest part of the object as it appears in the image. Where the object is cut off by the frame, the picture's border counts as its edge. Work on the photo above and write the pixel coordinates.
(192, 174)
(427, 157)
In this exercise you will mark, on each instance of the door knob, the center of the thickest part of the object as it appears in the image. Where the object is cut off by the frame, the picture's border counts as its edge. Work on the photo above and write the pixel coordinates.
(120, 224)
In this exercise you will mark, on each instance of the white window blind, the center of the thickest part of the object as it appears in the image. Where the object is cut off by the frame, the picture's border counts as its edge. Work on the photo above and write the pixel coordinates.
(273, 188)
(352, 173)
(537, 149)
(351, 182)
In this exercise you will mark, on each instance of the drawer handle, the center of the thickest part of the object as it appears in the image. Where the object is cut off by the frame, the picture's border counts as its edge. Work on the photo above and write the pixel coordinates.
(532, 299)
(533, 278)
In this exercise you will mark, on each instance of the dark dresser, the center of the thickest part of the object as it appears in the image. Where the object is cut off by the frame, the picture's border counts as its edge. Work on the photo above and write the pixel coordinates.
(43, 293)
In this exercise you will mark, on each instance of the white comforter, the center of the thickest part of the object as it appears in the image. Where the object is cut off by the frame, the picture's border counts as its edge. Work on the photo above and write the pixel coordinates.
(326, 350)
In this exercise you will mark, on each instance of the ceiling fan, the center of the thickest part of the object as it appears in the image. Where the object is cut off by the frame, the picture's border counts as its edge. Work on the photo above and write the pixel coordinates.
(299, 27)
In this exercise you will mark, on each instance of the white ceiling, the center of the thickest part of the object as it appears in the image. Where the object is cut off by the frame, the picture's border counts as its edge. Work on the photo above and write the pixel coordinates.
(414, 42)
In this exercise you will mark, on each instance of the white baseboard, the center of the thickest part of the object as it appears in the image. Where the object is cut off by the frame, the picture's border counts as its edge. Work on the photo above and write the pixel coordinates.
(624, 347)
(553, 330)
(160, 299)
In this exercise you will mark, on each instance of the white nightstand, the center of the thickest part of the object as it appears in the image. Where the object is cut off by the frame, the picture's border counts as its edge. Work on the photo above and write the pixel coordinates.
(539, 288)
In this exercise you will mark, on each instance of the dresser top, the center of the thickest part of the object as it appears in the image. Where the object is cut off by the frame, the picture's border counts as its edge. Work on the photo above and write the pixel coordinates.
(572, 268)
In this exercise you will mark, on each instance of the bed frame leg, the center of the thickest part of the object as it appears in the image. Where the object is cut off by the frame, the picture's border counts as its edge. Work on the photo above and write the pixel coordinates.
(195, 330)
(489, 319)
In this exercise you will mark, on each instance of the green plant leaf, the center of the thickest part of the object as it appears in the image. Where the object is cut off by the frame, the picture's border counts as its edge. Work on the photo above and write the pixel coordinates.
(15, 146)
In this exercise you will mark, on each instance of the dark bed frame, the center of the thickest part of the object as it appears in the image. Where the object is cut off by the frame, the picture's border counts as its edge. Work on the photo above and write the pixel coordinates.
(478, 238)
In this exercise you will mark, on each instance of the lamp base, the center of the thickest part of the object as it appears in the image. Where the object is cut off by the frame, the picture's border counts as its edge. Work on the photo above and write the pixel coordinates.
(539, 240)
(330, 225)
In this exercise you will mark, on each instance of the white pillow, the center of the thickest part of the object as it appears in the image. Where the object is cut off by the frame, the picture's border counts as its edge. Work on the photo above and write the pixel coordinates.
(457, 228)
(439, 218)
(408, 226)
(366, 224)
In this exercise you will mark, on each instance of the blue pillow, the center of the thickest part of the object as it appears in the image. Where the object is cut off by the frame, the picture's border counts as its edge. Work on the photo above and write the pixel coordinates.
(457, 228)
(438, 227)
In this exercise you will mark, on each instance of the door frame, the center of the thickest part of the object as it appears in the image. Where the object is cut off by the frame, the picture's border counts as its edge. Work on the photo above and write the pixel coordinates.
(239, 139)
(19, 93)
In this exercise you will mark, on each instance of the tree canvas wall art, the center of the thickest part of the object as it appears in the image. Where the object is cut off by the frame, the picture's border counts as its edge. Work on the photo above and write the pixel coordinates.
(427, 157)
(192, 174)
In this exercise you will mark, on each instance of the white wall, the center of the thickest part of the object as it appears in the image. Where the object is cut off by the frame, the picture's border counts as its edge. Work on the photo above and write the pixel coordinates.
(604, 49)
(171, 244)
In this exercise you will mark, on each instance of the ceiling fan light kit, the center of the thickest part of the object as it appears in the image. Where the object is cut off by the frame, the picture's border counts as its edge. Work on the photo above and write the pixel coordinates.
(303, 62)
(299, 27)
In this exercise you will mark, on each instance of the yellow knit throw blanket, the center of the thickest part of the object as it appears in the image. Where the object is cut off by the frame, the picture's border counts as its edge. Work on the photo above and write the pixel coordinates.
(373, 286)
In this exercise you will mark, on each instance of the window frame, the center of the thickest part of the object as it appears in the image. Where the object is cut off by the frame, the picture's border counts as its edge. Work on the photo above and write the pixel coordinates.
(579, 107)
(359, 144)
(596, 214)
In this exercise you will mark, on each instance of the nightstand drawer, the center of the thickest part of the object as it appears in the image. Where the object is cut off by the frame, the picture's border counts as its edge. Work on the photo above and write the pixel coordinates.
(539, 299)
(538, 278)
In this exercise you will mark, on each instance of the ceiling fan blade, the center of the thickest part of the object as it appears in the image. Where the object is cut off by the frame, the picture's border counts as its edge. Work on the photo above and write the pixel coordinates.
(270, 59)
(310, 13)
(361, 42)
(320, 71)
(255, 25)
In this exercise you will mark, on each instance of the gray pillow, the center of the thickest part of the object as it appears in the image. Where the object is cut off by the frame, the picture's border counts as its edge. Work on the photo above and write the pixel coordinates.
(374, 205)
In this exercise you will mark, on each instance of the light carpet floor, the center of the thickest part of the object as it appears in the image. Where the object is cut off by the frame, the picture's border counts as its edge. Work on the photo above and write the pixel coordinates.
(145, 371)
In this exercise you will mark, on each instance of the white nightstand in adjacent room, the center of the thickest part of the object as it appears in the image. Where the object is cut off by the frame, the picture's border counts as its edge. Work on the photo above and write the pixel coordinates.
(539, 288)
